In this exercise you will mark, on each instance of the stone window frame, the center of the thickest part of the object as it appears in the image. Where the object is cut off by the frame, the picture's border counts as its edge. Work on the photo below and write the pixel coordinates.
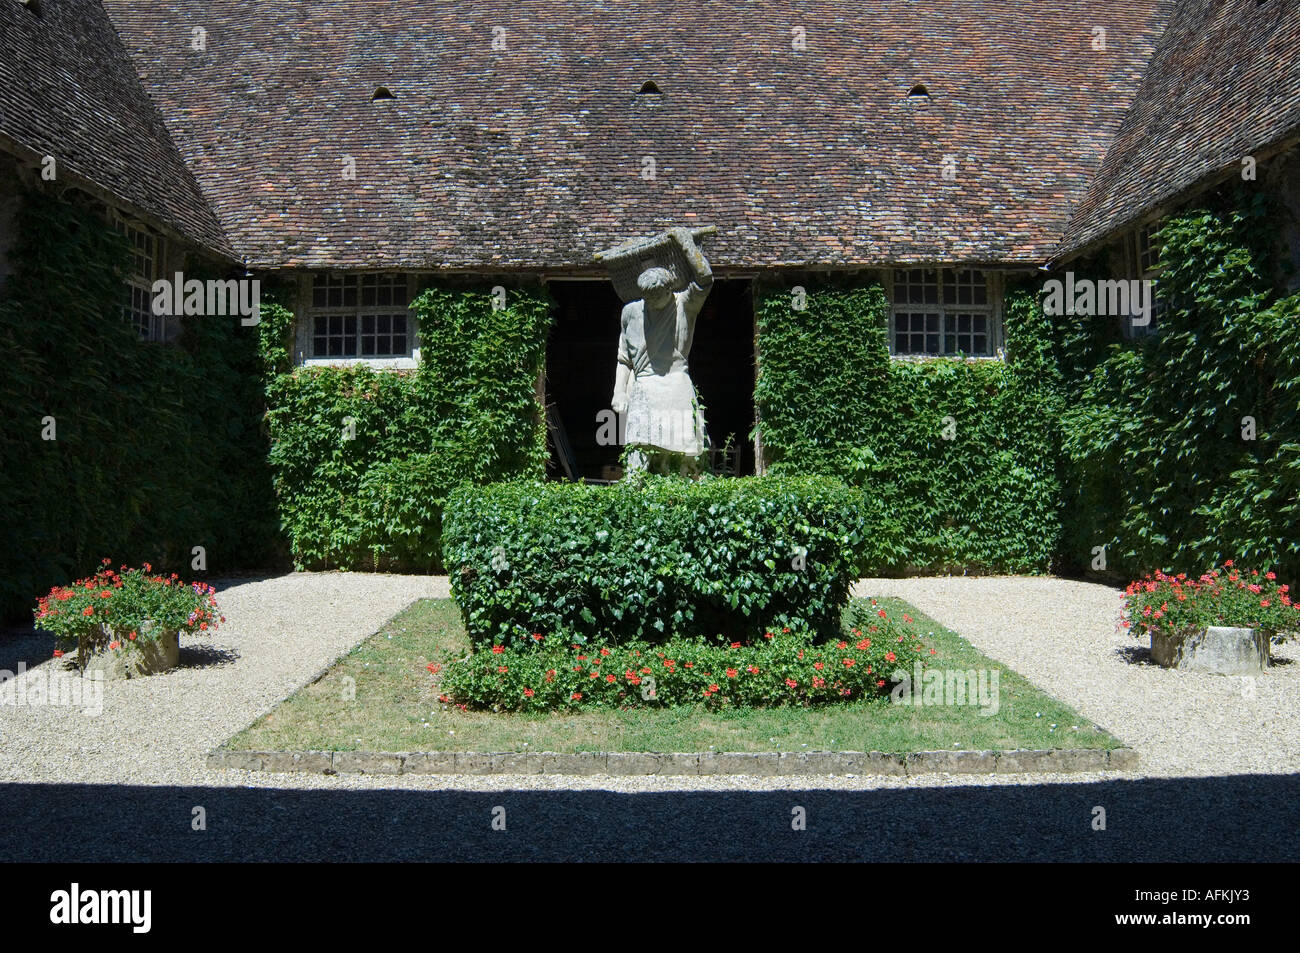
(305, 333)
(138, 307)
(992, 309)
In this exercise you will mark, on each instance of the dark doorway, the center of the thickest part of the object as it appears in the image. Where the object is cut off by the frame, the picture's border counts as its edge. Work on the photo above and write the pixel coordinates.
(580, 360)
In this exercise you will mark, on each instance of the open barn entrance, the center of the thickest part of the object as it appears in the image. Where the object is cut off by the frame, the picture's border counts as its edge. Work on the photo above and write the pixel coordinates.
(580, 359)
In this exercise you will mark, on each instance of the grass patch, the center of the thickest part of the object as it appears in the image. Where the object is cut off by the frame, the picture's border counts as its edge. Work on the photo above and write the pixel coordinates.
(380, 697)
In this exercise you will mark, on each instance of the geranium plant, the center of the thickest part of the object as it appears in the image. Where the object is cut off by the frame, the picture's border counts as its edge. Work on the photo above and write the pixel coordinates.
(118, 610)
(1239, 598)
(780, 667)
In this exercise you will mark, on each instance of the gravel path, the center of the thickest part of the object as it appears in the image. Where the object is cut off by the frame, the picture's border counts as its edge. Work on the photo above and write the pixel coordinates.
(140, 765)
(158, 730)
(1062, 636)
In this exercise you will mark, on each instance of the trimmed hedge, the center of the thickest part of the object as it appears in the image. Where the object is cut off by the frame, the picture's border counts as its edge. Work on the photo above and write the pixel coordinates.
(832, 401)
(650, 559)
(364, 459)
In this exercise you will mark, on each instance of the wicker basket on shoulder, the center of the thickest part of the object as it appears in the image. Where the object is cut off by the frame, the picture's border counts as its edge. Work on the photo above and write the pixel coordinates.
(629, 260)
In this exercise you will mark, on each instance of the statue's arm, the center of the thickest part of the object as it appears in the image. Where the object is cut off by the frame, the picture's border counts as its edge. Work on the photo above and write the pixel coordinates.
(702, 280)
(623, 373)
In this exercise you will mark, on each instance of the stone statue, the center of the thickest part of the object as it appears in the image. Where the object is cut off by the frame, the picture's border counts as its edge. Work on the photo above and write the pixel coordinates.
(665, 423)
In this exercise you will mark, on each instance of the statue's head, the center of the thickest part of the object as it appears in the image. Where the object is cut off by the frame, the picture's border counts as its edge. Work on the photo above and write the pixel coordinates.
(656, 286)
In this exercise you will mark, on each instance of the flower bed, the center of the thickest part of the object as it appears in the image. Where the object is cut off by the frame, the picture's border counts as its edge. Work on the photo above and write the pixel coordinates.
(122, 611)
(781, 667)
(1165, 605)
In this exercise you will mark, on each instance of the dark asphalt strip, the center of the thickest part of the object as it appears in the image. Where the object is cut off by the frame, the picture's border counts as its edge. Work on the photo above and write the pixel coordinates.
(1240, 818)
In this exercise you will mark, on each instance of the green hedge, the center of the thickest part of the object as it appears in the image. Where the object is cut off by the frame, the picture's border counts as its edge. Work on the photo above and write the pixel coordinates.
(368, 493)
(831, 401)
(1157, 469)
(651, 559)
(158, 448)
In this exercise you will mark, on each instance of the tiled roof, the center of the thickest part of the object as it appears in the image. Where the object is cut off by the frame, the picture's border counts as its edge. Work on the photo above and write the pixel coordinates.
(1224, 82)
(68, 89)
(532, 156)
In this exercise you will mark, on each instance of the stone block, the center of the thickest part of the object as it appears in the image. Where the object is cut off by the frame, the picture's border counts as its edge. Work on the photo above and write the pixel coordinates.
(1217, 650)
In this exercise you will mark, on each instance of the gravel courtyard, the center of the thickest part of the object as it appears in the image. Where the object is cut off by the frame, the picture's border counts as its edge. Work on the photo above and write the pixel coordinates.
(149, 744)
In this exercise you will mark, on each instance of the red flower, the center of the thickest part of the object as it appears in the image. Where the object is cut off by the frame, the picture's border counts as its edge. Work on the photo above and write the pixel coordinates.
(848, 662)
(1227, 562)
(604, 651)
(433, 667)
(498, 649)
(880, 684)
(502, 669)
(528, 693)
(537, 636)
(732, 673)
(864, 645)
(881, 613)
(714, 688)
(609, 678)
(576, 696)
(114, 645)
(817, 665)
(1270, 575)
(1265, 603)
(907, 618)
(752, 669)
(88, 611)
(890, 656)
(58, 653)
(768, 635)
(785, 631)
(735, 645)
(841, 645)
(791, 683)
(818, 682)
(550, 675)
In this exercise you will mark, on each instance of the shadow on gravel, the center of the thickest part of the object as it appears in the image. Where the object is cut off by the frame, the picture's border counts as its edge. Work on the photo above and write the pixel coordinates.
(22, 643)
(206, 656)
(1242, 818)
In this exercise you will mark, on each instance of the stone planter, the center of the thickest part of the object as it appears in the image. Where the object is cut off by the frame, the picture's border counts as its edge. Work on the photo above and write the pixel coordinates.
(144, 657)
(1218, 650)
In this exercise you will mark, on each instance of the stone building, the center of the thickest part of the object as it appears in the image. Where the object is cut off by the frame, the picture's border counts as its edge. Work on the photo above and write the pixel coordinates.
(354, 150)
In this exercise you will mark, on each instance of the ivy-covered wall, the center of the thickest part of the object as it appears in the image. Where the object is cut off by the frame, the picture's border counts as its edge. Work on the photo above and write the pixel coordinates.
(109, 446)
(958, 457)
(1182, 449)
(364, 459)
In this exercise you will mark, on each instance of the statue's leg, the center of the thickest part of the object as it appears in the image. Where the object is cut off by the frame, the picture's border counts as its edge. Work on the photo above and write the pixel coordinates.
(637, 462)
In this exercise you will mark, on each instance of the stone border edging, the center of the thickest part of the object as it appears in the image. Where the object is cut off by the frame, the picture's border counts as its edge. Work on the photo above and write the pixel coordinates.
(635, 763)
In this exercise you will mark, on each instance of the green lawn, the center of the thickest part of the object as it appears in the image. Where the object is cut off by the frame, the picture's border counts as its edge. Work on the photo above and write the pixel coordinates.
(380, 697)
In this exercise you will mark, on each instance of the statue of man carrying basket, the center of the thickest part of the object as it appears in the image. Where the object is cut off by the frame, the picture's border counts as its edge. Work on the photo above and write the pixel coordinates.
(664, 281)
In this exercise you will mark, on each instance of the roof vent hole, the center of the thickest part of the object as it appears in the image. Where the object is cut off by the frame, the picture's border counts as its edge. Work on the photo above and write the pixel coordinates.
(918, 94)
(650, 88)
(382, 93)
